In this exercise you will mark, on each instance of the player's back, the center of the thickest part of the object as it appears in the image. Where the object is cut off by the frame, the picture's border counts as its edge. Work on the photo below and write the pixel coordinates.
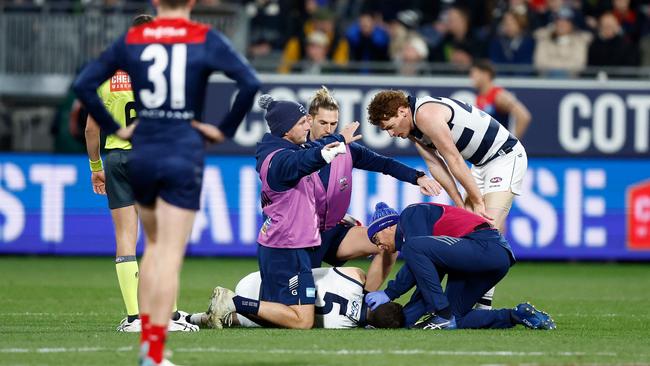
(169, 61)
(477, 135)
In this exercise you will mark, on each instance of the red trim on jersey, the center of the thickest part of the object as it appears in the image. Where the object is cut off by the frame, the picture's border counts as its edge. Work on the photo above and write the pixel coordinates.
(168, 31)
(120, 82)
(488, 98)
(456, 222)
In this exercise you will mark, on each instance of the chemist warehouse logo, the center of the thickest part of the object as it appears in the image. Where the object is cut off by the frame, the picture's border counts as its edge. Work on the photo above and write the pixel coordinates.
(638, 216)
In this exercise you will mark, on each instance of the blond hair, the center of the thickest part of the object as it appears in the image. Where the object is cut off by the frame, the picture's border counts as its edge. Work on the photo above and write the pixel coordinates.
(323, 99)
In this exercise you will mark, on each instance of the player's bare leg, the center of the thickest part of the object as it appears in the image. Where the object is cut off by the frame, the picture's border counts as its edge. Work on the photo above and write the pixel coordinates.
(173, 227)
(498, 206)
(125, 222)
(292, 316)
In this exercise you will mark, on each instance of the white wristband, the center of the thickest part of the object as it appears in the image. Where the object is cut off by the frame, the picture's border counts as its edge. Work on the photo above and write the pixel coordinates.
(331, 153)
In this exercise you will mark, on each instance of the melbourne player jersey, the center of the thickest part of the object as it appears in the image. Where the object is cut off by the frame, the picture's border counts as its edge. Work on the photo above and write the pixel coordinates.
(475, 133)
(117, 96)
(486, 102)
(169, 61)
(339, 298)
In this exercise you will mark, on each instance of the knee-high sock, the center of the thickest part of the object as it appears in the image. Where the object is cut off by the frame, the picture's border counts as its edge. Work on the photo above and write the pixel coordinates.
(126, 268)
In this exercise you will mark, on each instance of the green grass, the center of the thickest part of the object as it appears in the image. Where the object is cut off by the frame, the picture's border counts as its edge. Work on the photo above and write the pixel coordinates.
(57, 311)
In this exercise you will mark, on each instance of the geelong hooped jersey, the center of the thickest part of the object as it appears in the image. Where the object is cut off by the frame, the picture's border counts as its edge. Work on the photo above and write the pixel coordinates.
(339, 298)
(475, 133)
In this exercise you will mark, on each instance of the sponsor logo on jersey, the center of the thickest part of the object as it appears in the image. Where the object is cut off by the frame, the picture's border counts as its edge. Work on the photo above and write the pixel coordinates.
(164, 32)
(310, 292)
(496, 180)
(343, 184)
(120, 82)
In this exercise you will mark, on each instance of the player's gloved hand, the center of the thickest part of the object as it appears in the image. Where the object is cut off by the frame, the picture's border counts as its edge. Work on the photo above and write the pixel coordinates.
(376, 298)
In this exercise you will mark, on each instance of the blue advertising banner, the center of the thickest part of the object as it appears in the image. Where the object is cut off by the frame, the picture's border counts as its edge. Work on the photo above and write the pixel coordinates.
(569, 118)
(570, 209)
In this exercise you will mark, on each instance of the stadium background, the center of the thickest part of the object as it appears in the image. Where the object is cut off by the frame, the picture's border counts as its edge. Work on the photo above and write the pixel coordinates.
(587, 193)
(587, 190)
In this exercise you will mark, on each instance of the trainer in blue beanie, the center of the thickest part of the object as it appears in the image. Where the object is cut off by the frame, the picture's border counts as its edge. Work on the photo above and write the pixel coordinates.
(281, 115)
(383, 217)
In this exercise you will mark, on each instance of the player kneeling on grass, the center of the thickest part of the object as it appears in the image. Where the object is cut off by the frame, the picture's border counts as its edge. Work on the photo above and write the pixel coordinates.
(435, 240)
(339, 303)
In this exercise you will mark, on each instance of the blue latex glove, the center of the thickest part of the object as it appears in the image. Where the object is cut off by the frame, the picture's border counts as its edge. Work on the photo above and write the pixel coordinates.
(376, 298)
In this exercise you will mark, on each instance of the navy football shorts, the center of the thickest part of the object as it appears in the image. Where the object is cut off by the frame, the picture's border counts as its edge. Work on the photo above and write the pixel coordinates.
(286, 276)
(176, 178)
(330, 242)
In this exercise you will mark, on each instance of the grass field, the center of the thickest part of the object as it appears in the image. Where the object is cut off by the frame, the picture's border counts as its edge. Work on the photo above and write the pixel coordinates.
(57, 311)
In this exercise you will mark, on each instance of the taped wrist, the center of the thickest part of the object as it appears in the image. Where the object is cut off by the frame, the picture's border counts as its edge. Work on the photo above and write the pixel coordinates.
(96, 165)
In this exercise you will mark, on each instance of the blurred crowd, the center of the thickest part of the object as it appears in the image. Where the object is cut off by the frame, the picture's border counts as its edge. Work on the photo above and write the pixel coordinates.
(554, 38)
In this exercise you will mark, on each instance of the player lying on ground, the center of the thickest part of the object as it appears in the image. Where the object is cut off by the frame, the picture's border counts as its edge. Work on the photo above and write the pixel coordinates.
(435, 240)
(339, 303)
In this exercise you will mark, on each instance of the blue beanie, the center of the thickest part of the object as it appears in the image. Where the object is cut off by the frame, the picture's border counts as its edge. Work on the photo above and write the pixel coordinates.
(281, 115)
(383, 217)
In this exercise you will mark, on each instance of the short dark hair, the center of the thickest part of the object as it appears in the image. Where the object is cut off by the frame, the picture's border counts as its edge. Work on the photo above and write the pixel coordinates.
(384, 105)
(388, 315)
(485, 66)
(141, 19)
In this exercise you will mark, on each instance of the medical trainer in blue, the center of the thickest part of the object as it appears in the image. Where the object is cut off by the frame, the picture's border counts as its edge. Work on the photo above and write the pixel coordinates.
(435, 240)
(169, 61)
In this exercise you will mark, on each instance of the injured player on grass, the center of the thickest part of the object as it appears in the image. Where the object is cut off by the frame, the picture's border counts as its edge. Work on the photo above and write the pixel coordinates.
(339, 303)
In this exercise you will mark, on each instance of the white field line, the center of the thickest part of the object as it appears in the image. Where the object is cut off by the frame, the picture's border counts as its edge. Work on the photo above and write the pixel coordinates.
(333, 352)
(602, 315)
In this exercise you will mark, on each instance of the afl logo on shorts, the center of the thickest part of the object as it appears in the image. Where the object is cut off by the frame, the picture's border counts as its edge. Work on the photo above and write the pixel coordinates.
(496, 180)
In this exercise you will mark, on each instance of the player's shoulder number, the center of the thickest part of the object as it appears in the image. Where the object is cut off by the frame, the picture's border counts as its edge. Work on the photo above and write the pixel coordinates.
(176, 61)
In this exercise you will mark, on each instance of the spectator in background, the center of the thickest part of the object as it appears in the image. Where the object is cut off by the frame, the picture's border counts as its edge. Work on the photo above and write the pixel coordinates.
(368, 40)
(561, 50)
(315, 61)
(323, 21)
(412, 58)
(401, 29)
(268, 26)
(458, 45)
(610, 48)
(512, 45)
(629, 18)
